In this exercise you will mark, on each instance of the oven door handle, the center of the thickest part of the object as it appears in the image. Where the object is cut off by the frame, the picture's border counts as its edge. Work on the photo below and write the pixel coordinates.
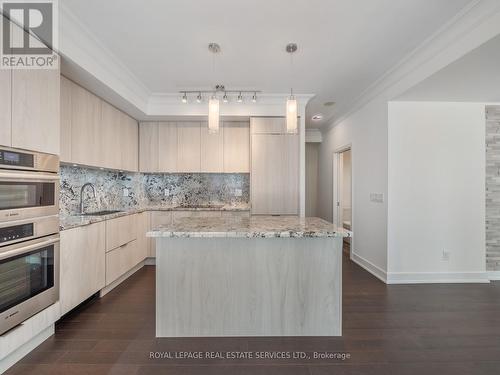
(24, 249)
(28, 176)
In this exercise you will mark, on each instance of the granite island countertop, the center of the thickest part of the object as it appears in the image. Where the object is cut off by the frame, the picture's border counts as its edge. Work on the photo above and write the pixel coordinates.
(250, 227)
(74, 221)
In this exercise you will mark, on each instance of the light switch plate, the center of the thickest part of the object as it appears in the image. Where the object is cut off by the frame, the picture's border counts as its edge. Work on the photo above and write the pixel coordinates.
(166, 192)
(125, 192)
(377, 197)
(238, 192)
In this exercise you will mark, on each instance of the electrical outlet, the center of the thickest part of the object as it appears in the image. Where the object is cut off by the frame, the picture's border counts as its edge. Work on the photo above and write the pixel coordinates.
(446, 255)
(238, 192)
(125, 192)
(166, 192)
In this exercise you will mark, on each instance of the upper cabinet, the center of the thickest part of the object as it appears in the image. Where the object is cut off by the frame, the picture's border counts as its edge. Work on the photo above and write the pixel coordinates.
(236, 147)
(94, 133)
(268, 125)
(188, 147)
(212, 150)
(5, 108)
(35, 110)
(29, 108)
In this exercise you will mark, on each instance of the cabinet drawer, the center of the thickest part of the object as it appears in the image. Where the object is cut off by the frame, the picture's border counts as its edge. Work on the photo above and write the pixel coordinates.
(182, 214)
(235, 213)
(121, 260)
(121, 230)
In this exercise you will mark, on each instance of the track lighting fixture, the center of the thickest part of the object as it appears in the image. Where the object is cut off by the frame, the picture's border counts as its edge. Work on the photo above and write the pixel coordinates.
(240, 98)
(199, 98)
(224, 98)
(254, 97)
(184, 98)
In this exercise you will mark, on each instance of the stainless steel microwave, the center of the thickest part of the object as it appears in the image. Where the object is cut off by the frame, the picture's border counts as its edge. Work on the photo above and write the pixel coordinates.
(25, 195)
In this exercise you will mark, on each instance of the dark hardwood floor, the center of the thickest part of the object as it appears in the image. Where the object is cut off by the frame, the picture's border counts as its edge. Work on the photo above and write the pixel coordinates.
(401, 330)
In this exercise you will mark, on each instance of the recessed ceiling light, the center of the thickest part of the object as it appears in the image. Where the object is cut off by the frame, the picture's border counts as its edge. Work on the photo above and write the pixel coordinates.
(317, 117)
(328, 104)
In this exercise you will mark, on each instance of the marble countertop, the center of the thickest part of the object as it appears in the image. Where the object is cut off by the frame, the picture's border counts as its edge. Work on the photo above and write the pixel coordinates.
(250, 227)
(74, 221)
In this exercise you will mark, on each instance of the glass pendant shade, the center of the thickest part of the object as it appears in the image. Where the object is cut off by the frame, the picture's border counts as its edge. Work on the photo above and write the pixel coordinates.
(291, 115)
(213, 115)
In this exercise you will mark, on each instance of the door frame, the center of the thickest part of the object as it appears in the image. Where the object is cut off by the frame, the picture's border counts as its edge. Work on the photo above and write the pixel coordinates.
(336, 188)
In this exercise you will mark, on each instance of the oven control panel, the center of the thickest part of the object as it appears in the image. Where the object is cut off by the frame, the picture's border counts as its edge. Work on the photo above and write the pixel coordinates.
(16, 159)
(16, 232)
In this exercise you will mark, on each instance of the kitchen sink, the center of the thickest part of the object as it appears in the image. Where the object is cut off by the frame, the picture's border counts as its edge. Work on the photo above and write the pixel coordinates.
(101, 213)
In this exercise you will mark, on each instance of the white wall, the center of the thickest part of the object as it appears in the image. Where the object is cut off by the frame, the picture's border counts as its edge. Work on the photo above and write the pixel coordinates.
(436, 191)
(312, 152)
(366, 132)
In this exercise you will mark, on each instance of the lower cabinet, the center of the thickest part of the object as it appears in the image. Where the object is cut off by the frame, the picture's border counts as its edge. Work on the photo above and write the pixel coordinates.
(121, 260)
(82, 264)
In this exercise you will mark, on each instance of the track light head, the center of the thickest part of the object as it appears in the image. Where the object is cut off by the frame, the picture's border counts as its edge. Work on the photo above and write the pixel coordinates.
(184, 98)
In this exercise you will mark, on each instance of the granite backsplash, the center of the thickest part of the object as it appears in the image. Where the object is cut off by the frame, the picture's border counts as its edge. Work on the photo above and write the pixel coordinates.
(145, 189)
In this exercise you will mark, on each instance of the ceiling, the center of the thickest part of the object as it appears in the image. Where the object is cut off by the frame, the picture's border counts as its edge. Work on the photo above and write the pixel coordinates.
(473, 78)
(344, 45)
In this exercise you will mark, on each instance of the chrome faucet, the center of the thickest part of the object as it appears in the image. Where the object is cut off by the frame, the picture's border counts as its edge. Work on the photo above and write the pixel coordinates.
(81, 194)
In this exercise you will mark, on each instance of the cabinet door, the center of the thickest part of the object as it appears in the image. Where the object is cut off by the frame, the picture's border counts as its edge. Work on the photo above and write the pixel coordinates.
(148, 147)
(236, 147)
(167, 149)
(111, 133)
(82, 264)
(87, 142)
(65, 146)
(143, 242)
(274, 174)
(212, 146)
(188, 147)
(35, 110)
(5, 108)
(268, 125)
(129, 142)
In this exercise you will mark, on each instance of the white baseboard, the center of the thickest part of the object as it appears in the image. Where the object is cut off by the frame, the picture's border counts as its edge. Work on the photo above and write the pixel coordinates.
(494, 275)
(150, 261)
(12, 358)
(436, 277)
(375, 270)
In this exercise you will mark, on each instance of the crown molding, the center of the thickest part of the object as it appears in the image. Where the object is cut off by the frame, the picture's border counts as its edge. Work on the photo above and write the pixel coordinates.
(475, 24)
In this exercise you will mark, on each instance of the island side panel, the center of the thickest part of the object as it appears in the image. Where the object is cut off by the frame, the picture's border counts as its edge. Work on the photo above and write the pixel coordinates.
(248, 287)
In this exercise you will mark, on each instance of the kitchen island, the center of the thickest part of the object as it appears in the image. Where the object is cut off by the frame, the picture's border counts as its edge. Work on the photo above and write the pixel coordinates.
(257, 276)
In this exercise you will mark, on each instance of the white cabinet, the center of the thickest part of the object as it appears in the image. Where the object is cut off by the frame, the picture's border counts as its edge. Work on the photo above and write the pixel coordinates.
(236, 147)
(121, 260)
(274, 182)
(82, 264)
(87, 141)
(188, 147)
(167, 150)
(110, 130)
(268, 125)
(148, 147)
(120, 230)
(212, 146)
(5, 108)
(35, 110)
(169, 147)
(65, 122)
(129, 142)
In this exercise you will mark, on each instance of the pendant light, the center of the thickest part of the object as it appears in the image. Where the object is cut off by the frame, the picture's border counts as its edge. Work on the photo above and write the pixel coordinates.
(213, 115)
(213, 103)
(291, 102)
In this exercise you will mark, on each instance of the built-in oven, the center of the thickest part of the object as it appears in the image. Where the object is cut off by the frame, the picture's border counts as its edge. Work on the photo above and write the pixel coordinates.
(29, 276)
(26, 195)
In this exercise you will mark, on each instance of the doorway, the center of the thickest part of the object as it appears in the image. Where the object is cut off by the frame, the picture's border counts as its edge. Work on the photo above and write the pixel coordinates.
(342, 184)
